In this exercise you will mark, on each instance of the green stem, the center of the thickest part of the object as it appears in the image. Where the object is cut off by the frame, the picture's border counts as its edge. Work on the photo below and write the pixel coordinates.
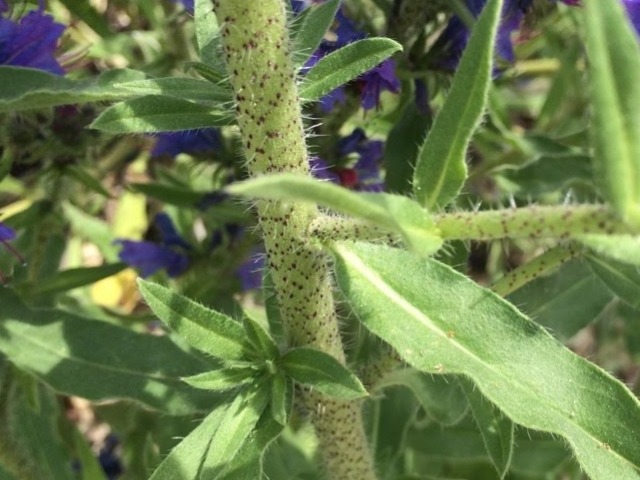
(327, 228)
(560, 222)
(256, 45)
(540, 265)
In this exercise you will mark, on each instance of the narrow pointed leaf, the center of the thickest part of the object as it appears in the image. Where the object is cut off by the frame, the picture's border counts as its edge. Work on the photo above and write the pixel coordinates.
(75, 277)
(344, 65)
(496, 429)
(184, 88)
(316, 21)
(623, 280)
(280, 398)
(394, 212)
(322, 372)
(260, 339)
(456, 326)
(223, 379)
(99, 361)
(203, 328)
(441, 168)
(158, 113)
(622, 248)
(614, 69)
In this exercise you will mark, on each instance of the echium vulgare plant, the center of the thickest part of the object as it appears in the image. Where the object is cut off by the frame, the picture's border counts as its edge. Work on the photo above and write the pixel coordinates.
(380, 240)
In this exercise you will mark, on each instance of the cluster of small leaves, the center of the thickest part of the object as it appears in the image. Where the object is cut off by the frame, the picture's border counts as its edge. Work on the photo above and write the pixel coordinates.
(474, 388)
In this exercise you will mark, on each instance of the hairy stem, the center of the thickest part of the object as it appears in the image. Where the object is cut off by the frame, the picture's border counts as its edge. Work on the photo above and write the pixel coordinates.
(540, 265)
(257, 52)
(561, 222)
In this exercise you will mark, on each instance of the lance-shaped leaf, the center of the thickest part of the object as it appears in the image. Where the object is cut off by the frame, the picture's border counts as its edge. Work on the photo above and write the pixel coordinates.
(441, 168)
(344, 65)
(193, 89)
(75, 277)
(262, 342)
(393, 212)
(203, 328)
(614, 69)
(224, 378)
(441, 321)
(202, 454)
(311, 27)
(158, 113)
(623, 280)
(281, 398)
(322, 372)
(27, 88)
(99, 361)
(495, 428)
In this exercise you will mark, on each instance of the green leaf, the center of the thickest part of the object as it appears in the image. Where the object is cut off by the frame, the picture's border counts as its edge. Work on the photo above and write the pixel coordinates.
(344, 65)
(220, 442)
(456, 326)
(440, 396)
(178, 196)
(402, 147)
(441, 168)
(281, 397)
(97, 360)
(74, 278)
(623, 280)
(622, 248)
(315, 21)
(208, 39)
(322, 372)
(89, 15)
(193, 89)
(27, 88)
(614, 68)
(93, 229)
(565, 301)
(157, 113)
(260, 339)
(233, 433)
(86, 179)
(223, 379)
(394, 212)
(203, 328)
(495, 428)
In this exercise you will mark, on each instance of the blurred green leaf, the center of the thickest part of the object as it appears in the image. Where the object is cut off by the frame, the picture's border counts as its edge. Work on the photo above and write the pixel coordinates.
(565, 301)
(97, 360)
(621, 248)
(441, 168)
(344, 65)
(551, 173)
(281, 397)
(93, 229)
(27, 88)
(313, 25)
(614, 68)
(623, 280)
(86, 179)
(75, 277)
(322, 372)
(495, 428)
(158, 113)
(439, 395)
(402, 147)
(88, 14)
(203, 328)
(456, 326)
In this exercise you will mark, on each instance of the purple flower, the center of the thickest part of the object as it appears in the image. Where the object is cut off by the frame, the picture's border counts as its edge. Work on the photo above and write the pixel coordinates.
(633, 11)
(455, 36)
(188, 5)
(250, 272)
(3, 6)
(375, 81)
(6, 233)
(32, 42)
(365, 174)
(188, 141)
(149, 257)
